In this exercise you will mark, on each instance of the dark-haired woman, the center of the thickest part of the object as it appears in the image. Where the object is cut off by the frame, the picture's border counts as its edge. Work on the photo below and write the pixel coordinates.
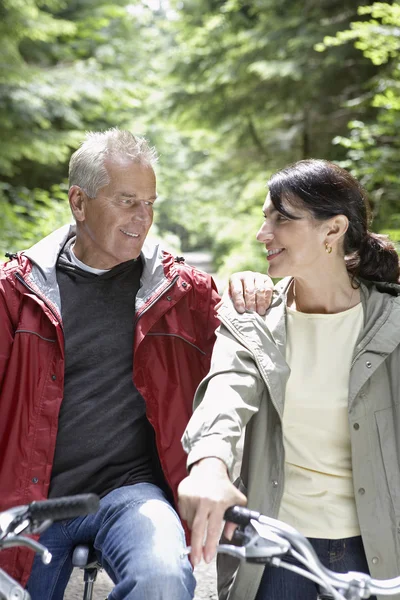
(317, 382)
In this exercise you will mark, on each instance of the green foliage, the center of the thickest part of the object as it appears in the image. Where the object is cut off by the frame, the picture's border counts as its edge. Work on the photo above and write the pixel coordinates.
(28, 215)
(248, 94)
(67, 66)
(378, 38)
(372, 145)
(227, 91)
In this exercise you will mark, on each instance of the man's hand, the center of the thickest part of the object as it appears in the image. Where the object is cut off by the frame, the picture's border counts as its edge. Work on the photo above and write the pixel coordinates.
(251, 291)
(204, 497)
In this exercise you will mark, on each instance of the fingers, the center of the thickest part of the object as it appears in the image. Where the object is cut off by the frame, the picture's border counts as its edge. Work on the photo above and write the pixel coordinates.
(263, 293)
(199, 527)
(214, 528)
(229, 530)
(195, 517)
(230, 497)
(251, 291)
(241, 290)
(204, 497)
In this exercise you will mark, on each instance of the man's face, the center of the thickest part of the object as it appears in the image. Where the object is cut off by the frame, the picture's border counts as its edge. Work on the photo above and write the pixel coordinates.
(113, 226)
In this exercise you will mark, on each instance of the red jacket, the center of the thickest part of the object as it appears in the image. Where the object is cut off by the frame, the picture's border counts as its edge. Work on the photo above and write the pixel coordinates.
(174, 336)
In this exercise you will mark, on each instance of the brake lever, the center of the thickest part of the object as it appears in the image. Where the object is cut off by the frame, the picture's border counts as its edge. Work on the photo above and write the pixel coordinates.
(16, 520)
(12, 520)
(36, 528)
(261, 544)
(21, 540)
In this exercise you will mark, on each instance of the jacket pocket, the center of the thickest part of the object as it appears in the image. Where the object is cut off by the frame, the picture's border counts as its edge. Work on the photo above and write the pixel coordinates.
(45, 339)
(176, 336)
(388, 424)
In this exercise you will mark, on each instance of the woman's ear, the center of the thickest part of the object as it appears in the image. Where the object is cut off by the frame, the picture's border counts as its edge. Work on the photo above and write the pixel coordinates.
(76, 197)
(337, 227)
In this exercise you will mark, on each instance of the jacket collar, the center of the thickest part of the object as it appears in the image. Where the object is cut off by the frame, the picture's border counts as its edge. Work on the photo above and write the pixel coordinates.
(44, 255)
(380, 333)
(154, 275)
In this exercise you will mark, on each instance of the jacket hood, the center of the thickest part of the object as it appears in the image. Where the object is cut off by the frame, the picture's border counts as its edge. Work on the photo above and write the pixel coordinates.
(381, 303)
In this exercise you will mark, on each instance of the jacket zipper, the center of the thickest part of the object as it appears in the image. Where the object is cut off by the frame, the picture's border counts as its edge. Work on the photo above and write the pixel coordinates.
(172, 283)
(31, 289)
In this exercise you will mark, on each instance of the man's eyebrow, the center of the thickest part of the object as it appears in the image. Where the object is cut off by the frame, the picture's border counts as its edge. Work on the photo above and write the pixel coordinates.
(134, 196)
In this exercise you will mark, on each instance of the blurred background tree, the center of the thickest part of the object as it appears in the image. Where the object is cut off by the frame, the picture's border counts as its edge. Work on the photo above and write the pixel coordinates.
(251, 94)
(372, 143)
(227, 90)
(67, 66)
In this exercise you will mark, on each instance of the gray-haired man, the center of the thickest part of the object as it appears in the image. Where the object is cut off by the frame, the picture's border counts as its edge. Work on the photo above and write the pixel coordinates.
(103, 341)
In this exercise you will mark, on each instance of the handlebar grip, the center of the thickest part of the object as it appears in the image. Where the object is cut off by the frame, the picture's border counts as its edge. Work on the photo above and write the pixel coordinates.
(66, 507)
(240, 515)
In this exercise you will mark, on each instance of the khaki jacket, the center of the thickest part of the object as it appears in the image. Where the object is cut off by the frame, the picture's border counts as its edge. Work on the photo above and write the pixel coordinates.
(246, 386)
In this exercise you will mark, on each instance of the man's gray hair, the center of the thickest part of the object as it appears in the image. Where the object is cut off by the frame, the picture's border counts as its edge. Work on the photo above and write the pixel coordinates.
(87, 168)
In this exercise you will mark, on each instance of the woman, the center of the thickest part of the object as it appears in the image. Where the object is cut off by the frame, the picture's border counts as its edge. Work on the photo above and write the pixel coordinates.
(317, 382)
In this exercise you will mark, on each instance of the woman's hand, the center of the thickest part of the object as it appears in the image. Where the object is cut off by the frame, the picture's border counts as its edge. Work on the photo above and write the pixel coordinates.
(251, 291)
(204, 497)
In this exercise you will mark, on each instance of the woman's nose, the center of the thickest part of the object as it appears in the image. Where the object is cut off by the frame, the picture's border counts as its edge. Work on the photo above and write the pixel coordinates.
(264, 234)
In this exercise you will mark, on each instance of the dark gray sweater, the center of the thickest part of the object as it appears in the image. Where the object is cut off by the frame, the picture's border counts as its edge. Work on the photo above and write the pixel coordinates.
(104, 440)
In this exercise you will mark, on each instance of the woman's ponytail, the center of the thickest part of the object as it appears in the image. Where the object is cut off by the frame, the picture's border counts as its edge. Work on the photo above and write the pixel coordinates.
(376, 259)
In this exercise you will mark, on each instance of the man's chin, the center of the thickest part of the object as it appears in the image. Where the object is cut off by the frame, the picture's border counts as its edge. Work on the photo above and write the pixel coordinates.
(129, 256)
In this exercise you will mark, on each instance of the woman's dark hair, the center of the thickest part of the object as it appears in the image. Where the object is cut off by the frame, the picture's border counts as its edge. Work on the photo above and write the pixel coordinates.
(326, 190)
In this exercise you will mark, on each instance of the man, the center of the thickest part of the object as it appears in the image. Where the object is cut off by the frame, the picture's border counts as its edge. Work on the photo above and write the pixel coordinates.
(103, 341)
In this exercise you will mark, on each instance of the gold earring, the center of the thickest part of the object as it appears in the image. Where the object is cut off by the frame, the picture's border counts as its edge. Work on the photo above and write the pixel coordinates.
(328, 248)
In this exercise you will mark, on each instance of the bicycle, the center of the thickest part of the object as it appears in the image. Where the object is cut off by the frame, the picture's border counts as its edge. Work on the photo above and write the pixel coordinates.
(33, 519)
(264, 540)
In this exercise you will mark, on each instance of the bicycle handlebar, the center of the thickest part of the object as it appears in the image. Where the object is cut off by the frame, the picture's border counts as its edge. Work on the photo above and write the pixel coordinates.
(240, 515)
(30, 517)
(266, 540)
(58, 509)
(35, 518)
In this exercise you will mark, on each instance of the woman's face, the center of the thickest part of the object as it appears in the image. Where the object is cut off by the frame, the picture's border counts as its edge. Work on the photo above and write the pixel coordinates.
(295, 247)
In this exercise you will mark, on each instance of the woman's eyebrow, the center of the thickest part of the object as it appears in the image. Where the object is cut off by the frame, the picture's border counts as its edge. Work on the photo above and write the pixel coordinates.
(270, 209)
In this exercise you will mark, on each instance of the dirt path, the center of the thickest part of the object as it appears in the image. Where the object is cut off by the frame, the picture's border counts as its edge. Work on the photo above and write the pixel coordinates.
(205, 590)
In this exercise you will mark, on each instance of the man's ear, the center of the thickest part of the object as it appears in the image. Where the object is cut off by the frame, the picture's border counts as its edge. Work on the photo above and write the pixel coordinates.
(77, 199)
(338, 226)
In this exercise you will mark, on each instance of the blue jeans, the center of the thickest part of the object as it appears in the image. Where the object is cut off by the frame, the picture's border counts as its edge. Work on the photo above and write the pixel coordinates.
(138, 539)
(338, 555)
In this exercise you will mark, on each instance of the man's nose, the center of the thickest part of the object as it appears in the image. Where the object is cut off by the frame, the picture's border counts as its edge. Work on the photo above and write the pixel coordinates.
(140, 212)
(265, 234)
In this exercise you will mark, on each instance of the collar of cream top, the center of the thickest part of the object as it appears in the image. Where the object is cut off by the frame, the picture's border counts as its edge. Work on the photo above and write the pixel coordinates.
(299, 309)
